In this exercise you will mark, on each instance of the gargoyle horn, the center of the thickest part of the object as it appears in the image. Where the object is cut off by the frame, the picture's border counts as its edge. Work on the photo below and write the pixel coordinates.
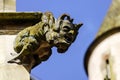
(77, 26)
(60, 19)
(63, 16)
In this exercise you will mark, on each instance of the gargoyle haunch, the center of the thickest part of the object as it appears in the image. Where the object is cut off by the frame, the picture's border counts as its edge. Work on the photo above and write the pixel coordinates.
(35, 42)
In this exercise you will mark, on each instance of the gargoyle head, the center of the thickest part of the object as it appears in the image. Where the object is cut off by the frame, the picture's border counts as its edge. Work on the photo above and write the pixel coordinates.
(65, 32)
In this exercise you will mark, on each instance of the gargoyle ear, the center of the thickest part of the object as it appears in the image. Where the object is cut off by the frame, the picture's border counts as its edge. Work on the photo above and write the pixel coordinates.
(77, 26)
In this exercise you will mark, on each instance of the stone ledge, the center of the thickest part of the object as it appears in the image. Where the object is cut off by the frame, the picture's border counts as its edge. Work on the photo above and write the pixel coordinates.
(12, 22)
(20, 15)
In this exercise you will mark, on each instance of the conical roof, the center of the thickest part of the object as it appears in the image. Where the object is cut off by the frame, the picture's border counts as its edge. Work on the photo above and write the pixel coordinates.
(112, 19)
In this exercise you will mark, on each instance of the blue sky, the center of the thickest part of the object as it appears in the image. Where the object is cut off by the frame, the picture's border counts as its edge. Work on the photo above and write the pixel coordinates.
(68, 66)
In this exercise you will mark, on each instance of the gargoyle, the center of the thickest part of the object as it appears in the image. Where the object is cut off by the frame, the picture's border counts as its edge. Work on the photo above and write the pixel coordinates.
(34, 43)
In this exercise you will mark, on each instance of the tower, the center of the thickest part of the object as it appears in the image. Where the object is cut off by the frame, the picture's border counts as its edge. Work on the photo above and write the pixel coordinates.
(102, 58)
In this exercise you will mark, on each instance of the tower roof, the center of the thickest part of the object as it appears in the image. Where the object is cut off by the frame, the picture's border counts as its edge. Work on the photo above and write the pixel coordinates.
(112, 19)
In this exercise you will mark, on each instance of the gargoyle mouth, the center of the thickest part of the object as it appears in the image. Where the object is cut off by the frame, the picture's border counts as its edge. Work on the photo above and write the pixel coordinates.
(68, 38)
(62, 47)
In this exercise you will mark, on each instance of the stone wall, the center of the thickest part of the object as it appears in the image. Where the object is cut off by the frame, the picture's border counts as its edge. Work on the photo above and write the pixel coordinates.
(10, 25)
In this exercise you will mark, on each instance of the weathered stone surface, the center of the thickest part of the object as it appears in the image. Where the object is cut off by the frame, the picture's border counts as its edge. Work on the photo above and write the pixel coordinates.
(34, 43)
(10, 71)
(7, 5)
(11, 23)
(47, 32)
(1, 5)
(13, 72)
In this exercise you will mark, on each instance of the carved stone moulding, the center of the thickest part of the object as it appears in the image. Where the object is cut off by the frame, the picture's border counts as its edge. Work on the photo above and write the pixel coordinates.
(12, 22)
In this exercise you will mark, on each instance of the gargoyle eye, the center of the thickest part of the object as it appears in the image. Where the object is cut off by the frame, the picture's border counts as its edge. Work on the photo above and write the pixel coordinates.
(66, 28)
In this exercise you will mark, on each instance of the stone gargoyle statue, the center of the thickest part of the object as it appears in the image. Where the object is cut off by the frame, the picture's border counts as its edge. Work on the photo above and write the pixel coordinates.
(34, 43)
